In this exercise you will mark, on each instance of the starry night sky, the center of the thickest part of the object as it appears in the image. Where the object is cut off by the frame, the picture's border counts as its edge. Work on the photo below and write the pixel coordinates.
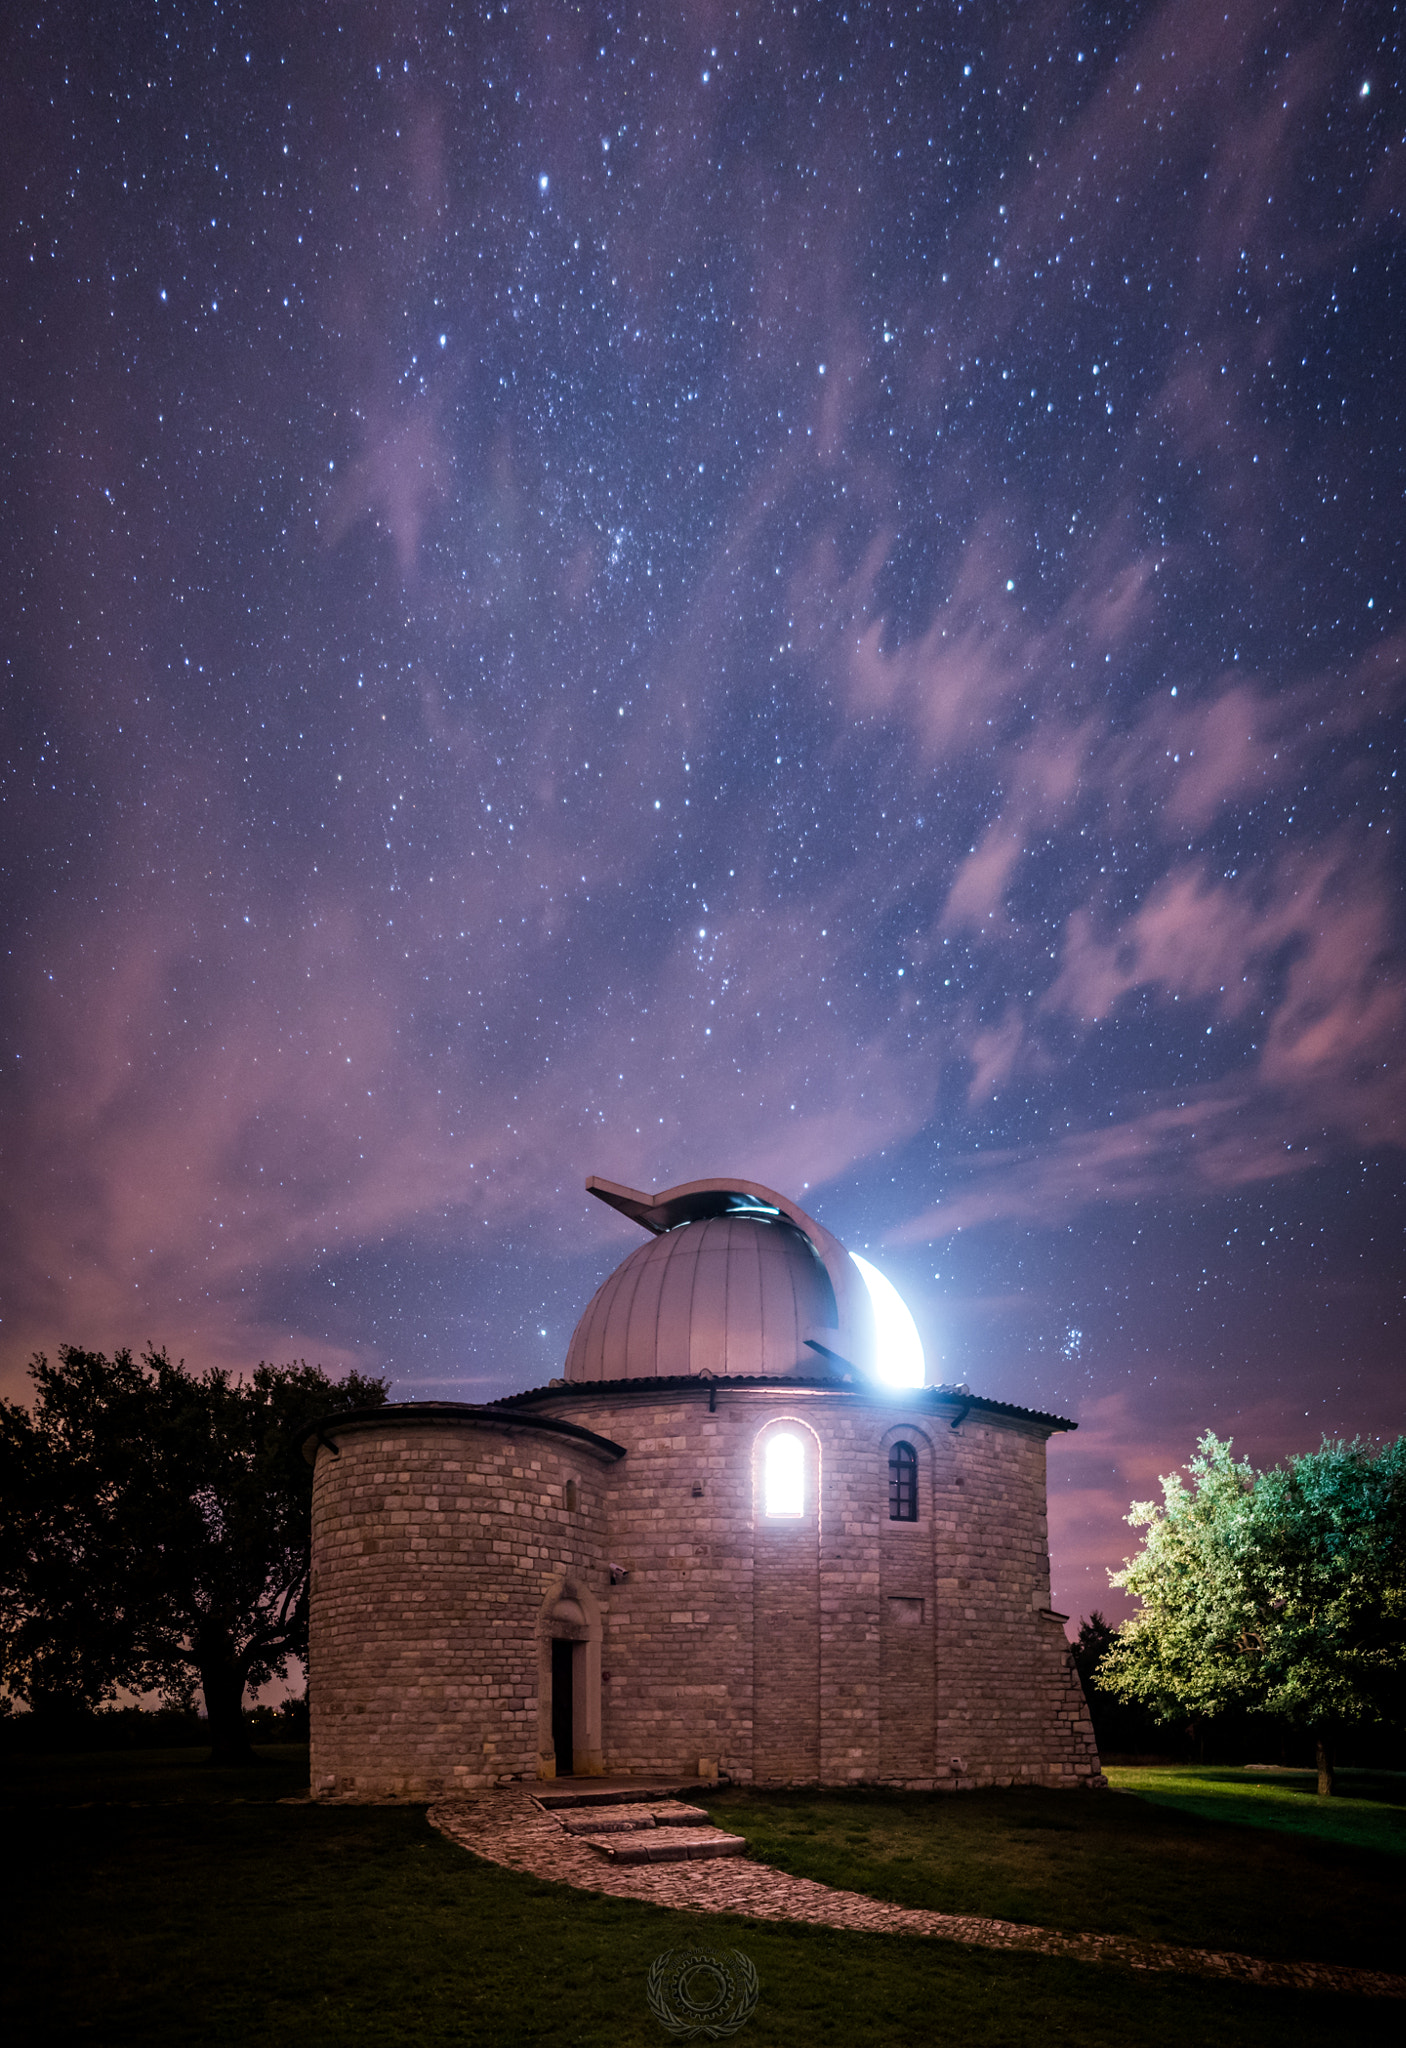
(811, 592)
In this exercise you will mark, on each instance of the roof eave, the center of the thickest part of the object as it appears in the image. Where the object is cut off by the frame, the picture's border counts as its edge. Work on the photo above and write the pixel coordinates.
(938, 1398)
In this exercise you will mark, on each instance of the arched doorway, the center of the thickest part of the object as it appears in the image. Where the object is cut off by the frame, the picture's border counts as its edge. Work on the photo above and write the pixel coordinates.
(568, 1693)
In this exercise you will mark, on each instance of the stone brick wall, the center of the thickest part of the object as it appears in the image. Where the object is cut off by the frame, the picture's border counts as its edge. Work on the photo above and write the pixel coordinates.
(710, 1636)
(788, 1659)
(679, 1624)
(907, 1623)
(435, 1548)
(841, 1646)
(1010, 1707)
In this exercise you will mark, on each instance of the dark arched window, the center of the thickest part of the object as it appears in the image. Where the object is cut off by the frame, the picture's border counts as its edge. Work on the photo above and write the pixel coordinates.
(903, 1483)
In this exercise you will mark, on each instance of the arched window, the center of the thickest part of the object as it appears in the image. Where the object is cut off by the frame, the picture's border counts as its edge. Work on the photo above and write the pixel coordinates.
(903, 1483)
(784, 1475)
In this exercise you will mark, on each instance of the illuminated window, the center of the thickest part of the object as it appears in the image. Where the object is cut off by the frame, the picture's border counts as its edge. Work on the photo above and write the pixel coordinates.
(784, 1483)
(903, 1483)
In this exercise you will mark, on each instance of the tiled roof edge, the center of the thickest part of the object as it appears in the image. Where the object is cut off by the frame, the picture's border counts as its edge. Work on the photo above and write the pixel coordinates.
(974, 1404)
(400, 1414)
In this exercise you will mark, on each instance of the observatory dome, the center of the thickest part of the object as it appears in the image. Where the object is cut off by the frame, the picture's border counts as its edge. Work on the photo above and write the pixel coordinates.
(734, 1279)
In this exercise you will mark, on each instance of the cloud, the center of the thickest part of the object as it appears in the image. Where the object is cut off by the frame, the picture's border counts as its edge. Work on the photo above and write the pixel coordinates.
(982, 656)
(1043, 784)
(1163, 1150)
(994, 1054)
(1303, 956)
(400, 476)
(1309, 946)
(196, 1131)
(1230, 743)
(1208, 754)
(1193, 936)
(1336, 1037)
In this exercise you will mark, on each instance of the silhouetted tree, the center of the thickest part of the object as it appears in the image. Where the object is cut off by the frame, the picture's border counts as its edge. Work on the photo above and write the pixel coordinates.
(1118, 1726)
(1095, 1639)
(156, 1531)
(1284, 1591)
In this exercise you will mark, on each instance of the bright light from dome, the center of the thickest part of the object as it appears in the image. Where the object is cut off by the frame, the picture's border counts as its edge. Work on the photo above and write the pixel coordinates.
(899, 1348)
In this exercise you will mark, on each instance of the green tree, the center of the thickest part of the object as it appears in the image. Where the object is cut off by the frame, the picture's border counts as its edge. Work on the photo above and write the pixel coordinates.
(1283, 1591)
(157, 1531)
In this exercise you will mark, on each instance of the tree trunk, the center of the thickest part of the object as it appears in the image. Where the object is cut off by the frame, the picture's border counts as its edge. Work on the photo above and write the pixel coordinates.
(1325, 1766)
(222, 1681)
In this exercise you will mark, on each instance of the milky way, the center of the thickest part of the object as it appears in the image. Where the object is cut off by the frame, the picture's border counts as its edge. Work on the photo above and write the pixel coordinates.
(805, 592)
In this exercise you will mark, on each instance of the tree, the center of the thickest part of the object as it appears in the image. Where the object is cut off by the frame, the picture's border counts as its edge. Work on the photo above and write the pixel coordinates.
(1284, 1591)
(1117, 1727)
(1095, 1639)
(157, 1531)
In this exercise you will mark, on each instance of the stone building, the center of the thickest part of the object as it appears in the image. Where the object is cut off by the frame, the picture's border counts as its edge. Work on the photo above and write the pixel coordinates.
(718, 1545)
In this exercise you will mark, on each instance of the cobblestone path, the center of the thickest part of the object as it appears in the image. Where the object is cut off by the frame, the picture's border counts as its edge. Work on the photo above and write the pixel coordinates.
(508, 1827)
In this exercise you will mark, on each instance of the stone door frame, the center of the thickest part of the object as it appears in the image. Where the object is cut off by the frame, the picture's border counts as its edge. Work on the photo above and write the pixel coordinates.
(588, 1754)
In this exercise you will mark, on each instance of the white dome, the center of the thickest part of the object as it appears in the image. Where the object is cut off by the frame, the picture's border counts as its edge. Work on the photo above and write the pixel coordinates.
(735, 1280)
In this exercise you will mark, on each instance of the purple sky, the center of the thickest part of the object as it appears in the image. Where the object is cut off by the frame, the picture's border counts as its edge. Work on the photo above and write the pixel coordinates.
(810, 593)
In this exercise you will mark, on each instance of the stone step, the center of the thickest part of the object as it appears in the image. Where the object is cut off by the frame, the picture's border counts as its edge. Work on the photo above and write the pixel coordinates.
(666, 1845)
(617, 1820)
(609, 1795)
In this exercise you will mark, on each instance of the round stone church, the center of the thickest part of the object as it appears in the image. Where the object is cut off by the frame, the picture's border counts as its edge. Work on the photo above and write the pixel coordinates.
(720, 1545)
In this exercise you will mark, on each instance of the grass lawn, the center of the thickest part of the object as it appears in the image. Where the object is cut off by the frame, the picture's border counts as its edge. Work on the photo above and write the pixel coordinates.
(1368, 1810)
(1113, 1863)
(156, 1901)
